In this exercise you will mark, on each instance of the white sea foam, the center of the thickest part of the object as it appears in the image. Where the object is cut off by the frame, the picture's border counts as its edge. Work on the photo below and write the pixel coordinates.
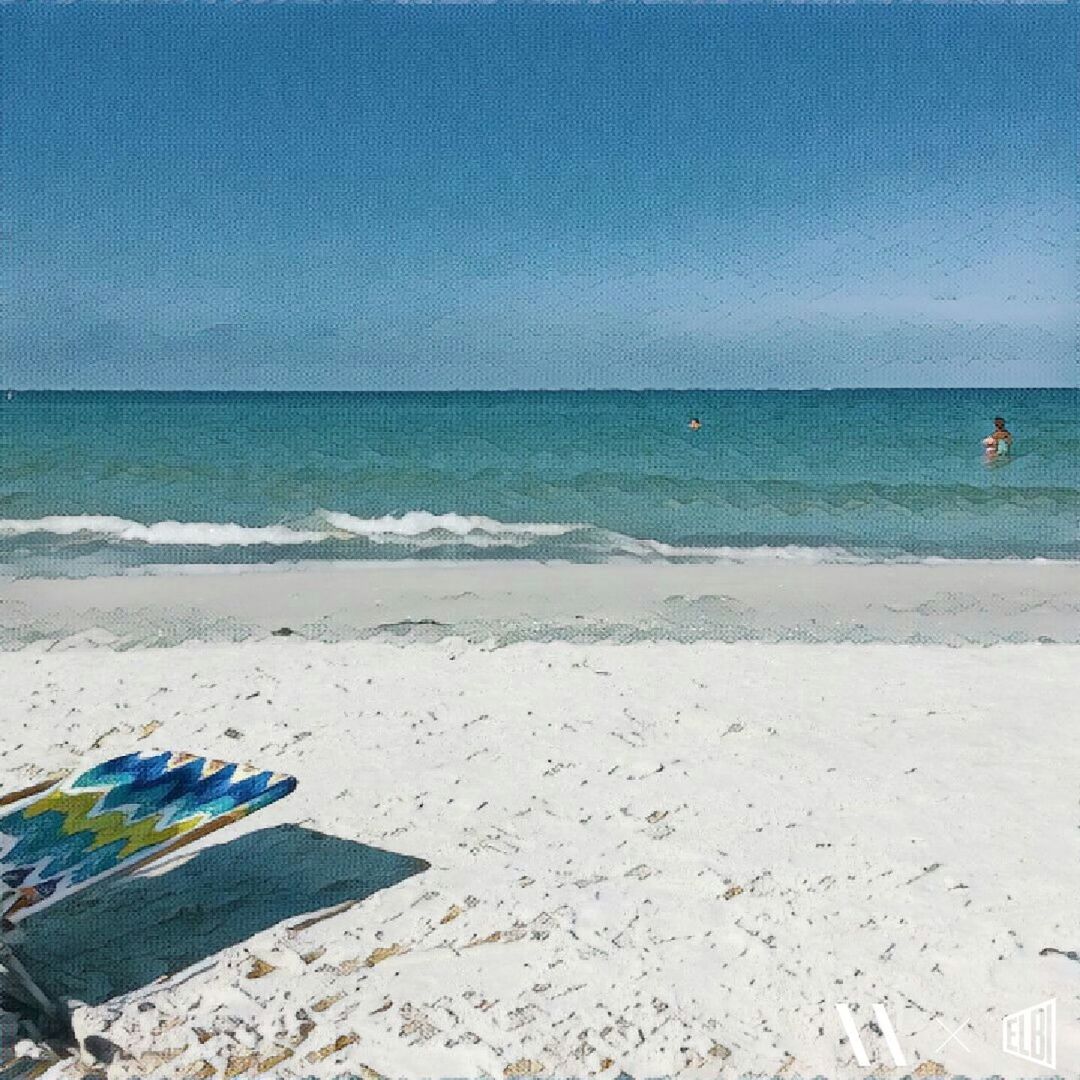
(190, 533)
(420, 530)
(418, 526)
(786, 553)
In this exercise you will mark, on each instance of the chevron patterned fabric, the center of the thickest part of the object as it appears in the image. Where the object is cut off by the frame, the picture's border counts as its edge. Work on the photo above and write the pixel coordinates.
(117, 816)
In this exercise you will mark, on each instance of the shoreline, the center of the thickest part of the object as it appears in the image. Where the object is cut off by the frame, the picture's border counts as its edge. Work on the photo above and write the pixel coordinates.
(941, 603)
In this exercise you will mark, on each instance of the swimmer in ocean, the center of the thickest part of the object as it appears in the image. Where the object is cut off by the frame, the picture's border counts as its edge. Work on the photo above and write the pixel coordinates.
(695, 424)
(1001, 435)
(1000, 442)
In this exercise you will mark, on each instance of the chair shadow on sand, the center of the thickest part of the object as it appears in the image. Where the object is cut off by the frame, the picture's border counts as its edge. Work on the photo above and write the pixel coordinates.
(128, 932)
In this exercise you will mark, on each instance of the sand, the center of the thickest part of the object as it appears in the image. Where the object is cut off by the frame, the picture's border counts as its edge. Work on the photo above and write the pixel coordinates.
(565, 858)
(766, 599)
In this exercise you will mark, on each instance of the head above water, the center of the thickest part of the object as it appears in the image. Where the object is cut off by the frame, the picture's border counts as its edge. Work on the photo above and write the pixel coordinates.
(999, 421)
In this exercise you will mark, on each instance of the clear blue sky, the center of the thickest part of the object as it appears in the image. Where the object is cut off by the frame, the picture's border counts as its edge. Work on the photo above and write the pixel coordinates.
(415, 196)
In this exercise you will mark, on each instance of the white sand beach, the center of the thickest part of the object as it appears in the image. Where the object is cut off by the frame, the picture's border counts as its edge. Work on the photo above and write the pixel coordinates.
(765, 598)
(571, 859)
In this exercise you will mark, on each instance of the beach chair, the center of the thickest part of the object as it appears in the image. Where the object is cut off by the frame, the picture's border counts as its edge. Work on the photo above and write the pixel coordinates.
(60, 837)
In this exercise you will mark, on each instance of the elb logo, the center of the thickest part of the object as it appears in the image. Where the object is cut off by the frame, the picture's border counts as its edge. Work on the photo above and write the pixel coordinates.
(1031, 1034)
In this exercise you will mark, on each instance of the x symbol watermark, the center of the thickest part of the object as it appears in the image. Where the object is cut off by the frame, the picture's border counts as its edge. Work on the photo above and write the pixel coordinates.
(952, 1034)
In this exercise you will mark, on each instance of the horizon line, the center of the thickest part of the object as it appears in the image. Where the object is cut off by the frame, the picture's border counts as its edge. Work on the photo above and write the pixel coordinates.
(528, 390)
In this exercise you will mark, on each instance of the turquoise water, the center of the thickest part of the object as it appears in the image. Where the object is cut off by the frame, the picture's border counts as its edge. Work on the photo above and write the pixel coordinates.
(96, 482)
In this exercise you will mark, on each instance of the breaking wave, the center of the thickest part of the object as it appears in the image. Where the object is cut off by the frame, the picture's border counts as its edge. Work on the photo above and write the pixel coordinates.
(98, 541)
(165, 533)
(416, 527)
(418, 524)
(416, 532)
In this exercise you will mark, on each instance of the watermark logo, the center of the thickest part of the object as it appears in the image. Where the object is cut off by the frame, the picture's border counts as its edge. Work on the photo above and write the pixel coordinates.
(884, 1026)
(952, 1034)
(1031, 1034)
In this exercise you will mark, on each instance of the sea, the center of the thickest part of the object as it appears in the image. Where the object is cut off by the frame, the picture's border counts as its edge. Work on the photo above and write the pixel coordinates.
(98, 483)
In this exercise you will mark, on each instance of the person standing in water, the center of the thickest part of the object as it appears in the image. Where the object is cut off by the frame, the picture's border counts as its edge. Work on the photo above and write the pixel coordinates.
(1001, 435)
(999, 443)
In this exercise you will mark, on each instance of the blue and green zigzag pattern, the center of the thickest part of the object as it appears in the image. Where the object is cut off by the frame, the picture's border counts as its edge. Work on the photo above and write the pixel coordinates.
(118, 815)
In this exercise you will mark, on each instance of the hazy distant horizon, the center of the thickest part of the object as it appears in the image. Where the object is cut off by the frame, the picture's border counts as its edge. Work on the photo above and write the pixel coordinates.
(419, 391)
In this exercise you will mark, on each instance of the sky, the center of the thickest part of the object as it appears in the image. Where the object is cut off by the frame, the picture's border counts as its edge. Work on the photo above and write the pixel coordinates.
(471, 197)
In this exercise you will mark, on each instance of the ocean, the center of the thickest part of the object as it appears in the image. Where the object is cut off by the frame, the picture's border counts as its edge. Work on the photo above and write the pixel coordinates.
(103, 482)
